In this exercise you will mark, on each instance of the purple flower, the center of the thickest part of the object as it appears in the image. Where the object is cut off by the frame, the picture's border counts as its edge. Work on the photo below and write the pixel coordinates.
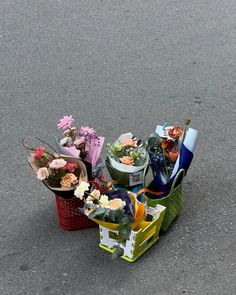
(89, 135)
(65, 122)
(87, 131)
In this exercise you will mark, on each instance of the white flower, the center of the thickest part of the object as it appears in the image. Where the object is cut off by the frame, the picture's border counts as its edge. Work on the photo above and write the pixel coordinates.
(95, 194)
(80, 189)
(64, 140)
(42, 173)
(103, 201)
(58, 164)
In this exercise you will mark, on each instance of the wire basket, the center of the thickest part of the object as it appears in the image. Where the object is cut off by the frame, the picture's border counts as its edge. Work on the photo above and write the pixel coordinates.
(70, 217)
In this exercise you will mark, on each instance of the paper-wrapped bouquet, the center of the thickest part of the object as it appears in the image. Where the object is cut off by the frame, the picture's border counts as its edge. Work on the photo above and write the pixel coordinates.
(59, 173)
(126, 160)
(82, 143)
(170, 149)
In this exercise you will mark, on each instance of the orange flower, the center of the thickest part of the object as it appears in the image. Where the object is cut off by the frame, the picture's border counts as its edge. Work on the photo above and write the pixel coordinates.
(172, 155)
(167, 144)
(175, 132)
(127, 160)
(68, 180)
(129, 142)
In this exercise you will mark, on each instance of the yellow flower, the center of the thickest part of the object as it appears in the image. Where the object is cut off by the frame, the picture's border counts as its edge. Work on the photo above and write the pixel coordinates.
(68, 180)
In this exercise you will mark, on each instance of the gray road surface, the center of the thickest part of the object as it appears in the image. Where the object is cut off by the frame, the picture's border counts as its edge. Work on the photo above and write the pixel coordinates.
(118, 66)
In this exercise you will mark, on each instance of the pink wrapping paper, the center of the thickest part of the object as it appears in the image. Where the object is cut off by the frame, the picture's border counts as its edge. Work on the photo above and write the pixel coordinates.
(94, 151)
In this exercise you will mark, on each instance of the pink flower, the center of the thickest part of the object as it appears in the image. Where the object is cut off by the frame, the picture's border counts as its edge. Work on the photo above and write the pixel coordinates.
(39, 152)
(65, 122)
(58, 164)
(71, 167)
(42, 173)
(86, 130)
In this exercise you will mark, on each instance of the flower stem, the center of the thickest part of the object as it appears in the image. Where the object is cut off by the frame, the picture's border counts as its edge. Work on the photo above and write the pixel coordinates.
(48, 145)
(164, 156)
(187, 122)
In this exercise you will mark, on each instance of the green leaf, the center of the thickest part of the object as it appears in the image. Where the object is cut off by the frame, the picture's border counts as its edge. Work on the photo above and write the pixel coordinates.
(124, 231)
(97, 212)
(53, 181)
(126, 220)
(112, 215)
(89, 205)
(152, 141)
(117, 253)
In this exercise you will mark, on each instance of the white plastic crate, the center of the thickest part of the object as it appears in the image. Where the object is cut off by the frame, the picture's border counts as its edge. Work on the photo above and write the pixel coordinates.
(142, 238)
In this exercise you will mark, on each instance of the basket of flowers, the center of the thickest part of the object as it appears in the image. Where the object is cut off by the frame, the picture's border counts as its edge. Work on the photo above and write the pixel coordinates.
(60, 174)
(170, 150)
(82, 143)
(126, 229)
(127, 158)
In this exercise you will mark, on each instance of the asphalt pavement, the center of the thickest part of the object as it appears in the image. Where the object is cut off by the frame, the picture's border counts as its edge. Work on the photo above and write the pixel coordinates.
(118, 66)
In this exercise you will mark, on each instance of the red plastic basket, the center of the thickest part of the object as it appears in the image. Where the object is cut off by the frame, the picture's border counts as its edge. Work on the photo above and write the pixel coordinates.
(69, 215)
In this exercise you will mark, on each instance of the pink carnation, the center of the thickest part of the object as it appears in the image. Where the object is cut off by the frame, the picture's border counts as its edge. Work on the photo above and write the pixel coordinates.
(65, 122)
(58, 164)
(39, 152)
(71, 167)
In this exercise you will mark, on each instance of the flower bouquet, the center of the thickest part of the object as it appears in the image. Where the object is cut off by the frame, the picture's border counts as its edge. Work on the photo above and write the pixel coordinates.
(121, 218)
(61, 174)
(82, 143)
(170, 150)
(126, 160)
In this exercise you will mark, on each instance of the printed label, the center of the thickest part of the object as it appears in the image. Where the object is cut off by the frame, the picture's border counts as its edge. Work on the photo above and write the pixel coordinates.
(136, 178)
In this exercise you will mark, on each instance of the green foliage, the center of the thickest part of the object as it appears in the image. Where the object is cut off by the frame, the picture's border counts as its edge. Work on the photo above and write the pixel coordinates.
(119, 217)
(89, 205)
(124, 231)
(117, 147)
(117, 151)
(98, 212)
(118, 252)
(55, 178)
(153, 140)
